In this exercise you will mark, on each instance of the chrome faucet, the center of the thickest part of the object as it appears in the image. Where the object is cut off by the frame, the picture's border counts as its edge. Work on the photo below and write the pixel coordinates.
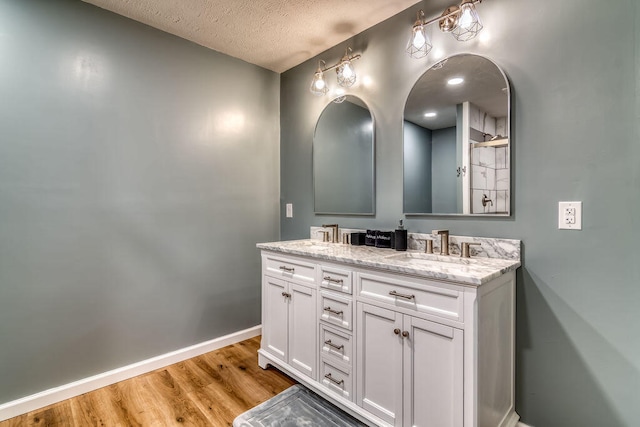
(334, 233)
(444, 241)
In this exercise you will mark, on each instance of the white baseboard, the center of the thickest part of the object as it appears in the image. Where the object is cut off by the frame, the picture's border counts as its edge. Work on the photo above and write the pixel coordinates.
(521, 424)
(76, 388)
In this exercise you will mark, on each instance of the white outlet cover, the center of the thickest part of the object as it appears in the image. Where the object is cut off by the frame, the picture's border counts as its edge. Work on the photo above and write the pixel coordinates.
(565, 220)
(289, 210)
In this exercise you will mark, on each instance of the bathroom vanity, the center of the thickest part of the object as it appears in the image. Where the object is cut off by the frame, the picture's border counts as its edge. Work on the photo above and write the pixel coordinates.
(395, 338)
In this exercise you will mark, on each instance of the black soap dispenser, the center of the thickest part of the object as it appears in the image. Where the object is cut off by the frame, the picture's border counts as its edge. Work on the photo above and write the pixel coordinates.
(401, 238)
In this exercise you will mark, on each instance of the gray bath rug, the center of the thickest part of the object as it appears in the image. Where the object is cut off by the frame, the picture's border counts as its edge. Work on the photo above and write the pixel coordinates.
(294, 407)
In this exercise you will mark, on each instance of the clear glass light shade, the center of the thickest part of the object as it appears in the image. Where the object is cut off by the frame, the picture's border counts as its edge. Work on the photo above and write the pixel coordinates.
(419, 44)
(469, 24)
(346, 74)
(318, 85)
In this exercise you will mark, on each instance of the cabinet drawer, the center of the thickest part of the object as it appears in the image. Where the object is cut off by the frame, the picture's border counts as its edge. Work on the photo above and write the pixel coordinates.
(335, 345)
(336, 309)
(335, 279)
(420, 296)
(336, 379)
(289, 268)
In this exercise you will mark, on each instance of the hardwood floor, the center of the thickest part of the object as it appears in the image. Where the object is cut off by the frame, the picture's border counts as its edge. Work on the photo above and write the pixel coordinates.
(208, 390)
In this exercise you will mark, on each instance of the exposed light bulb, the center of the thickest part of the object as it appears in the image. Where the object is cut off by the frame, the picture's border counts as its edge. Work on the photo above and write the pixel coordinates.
(418, 38)
(419, 44)
(318, 85)
(469, 24)
(347, 71)
(466, 19)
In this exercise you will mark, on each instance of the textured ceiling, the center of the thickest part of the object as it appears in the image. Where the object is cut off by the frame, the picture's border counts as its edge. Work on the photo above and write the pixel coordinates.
(484, 85)
(274, 34)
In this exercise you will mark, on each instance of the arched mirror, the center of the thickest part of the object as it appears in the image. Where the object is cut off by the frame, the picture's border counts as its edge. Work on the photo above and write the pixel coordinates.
(457, 140)
(343, 159)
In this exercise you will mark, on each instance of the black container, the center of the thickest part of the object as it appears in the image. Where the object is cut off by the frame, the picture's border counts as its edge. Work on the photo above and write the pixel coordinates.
(358, 239)
(370, 238)
(400, 238)
(384, 239)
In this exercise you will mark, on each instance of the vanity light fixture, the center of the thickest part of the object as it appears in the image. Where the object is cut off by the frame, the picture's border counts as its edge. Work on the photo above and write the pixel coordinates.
(469, 24)
(430, 114)
(346, 74)
(462, 21)
(419, 44)
(318, 85)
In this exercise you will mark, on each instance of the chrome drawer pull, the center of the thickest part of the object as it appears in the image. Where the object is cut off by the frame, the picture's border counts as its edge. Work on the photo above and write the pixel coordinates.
(395, 294)
(330, 344)
(287, 269)
(332, 280)
(337, 313)
(333, 380)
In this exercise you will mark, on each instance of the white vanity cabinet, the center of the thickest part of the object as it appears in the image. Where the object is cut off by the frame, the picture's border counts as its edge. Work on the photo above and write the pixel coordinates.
(289, 313)
(428, 347)
(410, 370)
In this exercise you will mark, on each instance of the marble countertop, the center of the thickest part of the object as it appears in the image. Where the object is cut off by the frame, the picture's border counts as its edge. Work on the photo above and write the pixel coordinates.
(470, 271)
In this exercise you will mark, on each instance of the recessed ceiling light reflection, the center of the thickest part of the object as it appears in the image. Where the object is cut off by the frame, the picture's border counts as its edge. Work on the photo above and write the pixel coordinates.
(430, 114)
(455, 81)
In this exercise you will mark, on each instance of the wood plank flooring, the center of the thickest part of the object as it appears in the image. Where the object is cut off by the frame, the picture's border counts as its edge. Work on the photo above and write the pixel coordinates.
(208, 390)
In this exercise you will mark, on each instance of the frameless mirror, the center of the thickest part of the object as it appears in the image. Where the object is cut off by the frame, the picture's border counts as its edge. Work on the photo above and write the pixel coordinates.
(456, 140)
(343, 159)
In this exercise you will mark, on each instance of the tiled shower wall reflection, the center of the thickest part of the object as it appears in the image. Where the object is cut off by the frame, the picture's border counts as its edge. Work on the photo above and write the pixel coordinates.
(489, 166)
(490, 169)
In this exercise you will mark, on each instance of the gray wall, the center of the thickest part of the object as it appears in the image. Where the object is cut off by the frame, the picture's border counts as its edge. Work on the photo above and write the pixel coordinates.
(417, 168)
(444, 180)
(576, 112)
(137, 172)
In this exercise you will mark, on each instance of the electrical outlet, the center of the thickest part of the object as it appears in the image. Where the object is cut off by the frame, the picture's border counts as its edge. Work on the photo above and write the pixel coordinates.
(289, 210)
(570, 215)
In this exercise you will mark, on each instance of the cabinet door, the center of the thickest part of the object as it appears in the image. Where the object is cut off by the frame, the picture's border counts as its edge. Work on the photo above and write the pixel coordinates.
(275, 317)
(303, 328)
(379, 362)
(433, 368)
